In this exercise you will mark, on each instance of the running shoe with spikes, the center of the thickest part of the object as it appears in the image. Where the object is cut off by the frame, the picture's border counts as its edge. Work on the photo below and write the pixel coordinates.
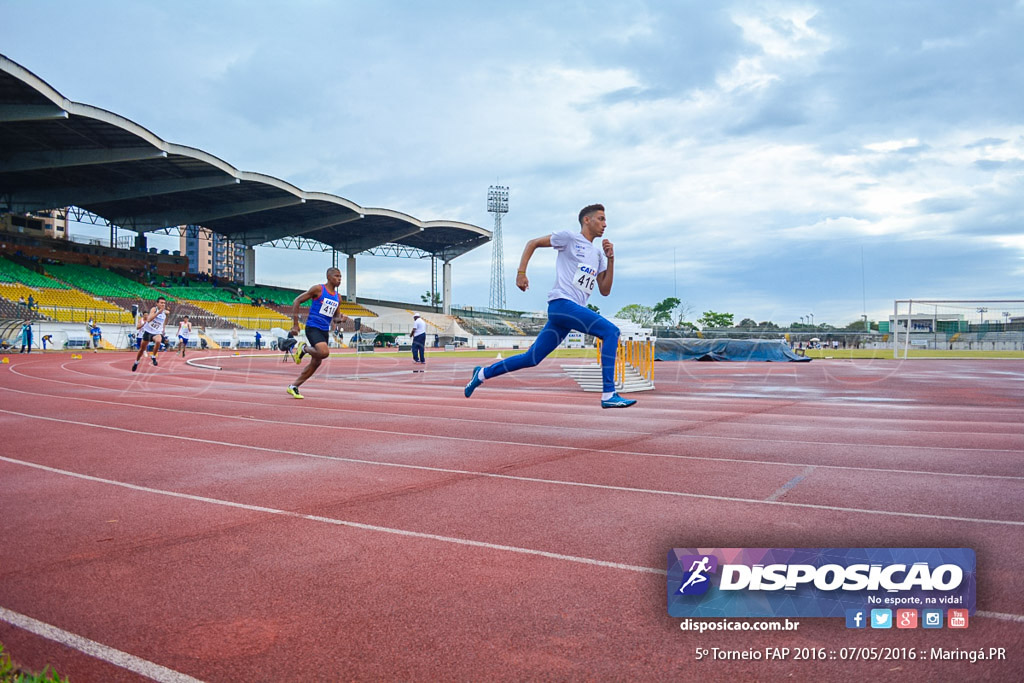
(617, 401)
(135, 366)
(473, 383)
(153, 358)
(294, 392)
(298, 353)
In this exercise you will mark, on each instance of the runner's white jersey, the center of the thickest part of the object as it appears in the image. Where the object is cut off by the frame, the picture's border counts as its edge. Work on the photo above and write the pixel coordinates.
(576, 267)
(184, 330)
(156, 325)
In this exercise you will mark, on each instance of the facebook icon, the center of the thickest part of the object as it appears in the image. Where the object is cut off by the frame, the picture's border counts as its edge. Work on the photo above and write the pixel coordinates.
(856, 618)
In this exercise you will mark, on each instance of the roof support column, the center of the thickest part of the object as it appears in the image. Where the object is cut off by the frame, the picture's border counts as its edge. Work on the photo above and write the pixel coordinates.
(350, 278)
(446, 288)
(140, 241)
(250, 266)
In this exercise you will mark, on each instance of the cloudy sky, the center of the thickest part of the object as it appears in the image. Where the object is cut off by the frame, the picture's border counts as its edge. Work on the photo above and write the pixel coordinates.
(767, 159)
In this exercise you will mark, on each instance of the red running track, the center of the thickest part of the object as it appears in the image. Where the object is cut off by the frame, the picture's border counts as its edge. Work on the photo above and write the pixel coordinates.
(186, 523)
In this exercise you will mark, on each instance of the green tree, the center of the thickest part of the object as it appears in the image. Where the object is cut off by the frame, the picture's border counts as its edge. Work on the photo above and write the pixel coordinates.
(663, 311)
(641, 315)
(857, 326)
(747, 324)
(594, 308)
(433, 299)
(713, 320)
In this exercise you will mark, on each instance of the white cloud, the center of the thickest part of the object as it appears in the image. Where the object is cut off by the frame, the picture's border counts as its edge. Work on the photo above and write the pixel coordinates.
(767, 148)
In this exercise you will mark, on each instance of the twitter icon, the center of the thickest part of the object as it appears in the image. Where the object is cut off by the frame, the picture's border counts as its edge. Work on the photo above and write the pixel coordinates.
(881, 618)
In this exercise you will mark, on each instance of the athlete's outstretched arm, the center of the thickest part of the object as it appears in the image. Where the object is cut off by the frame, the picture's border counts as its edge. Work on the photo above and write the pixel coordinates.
(310, 294)
(522, 282)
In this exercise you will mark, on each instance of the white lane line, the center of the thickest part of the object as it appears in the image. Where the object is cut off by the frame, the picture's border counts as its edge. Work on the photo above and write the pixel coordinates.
(342, 522)
(510, 477)
(389, 530)
(686, 436)
(1019, 618)
(507, 409)
(97, 650)
(526, 444)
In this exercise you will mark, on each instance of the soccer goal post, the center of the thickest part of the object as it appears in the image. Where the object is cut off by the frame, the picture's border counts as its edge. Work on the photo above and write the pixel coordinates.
(957, 324)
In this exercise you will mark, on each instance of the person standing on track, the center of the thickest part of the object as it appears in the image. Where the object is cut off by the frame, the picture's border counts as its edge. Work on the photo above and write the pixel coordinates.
(97, 336)
(152, 331)
(579, 266)
(324, 300)
(26, 336)
(419, 339)
(184, 332)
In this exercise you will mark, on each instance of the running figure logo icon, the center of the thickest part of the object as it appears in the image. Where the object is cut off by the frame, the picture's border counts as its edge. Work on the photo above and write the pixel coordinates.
(696, 580)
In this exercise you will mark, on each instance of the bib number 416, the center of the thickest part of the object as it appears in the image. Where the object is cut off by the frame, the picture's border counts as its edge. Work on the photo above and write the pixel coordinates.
(585, 280)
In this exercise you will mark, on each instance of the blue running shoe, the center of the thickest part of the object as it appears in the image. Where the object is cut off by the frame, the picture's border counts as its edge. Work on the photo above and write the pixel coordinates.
(615, 401)
(473, 383)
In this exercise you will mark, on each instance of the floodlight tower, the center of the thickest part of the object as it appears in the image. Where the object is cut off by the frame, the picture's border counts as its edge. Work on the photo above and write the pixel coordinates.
(497, 203)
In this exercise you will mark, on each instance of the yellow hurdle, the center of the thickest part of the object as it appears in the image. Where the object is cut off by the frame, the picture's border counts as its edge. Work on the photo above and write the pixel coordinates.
(636, 352)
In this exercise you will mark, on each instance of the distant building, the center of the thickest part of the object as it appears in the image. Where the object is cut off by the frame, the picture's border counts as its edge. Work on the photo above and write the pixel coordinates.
(212, 254)
(928, 323)
(52, 223)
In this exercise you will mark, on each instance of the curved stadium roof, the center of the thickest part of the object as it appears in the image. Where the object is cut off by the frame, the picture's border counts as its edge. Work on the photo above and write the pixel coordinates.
(56, 153)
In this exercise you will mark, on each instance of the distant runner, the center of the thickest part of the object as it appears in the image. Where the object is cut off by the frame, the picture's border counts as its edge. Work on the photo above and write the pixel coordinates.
(184, 332)
(152, 331)
(322, 309)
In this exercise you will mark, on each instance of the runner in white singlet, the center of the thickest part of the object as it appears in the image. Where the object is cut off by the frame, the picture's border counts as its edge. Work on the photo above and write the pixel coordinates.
(184, 332)
(152, 331)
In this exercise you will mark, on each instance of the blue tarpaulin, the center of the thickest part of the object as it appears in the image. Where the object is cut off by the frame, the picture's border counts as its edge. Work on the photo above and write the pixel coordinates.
(769, 350)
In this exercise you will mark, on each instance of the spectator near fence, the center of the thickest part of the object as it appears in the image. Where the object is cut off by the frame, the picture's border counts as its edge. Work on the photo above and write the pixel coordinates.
(26, 337)
(96, 334)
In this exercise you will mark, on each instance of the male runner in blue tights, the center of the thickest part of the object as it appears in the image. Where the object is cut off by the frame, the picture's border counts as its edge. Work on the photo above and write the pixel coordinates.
(579, 266)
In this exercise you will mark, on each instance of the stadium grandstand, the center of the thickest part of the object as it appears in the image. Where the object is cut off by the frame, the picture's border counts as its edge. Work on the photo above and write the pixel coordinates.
(66, 294)
(64, 160)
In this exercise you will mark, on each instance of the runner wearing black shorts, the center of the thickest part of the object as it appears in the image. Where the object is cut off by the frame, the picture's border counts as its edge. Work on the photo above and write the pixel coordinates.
(323, 307)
